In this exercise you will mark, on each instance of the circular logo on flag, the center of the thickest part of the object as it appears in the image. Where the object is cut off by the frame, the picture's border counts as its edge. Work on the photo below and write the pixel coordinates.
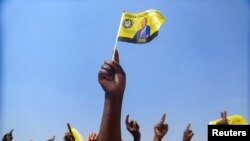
(127, 23)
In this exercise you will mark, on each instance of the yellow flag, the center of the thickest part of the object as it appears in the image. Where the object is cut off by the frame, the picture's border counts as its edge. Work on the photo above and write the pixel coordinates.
(232, 120)
(77, 135)
(140, 27)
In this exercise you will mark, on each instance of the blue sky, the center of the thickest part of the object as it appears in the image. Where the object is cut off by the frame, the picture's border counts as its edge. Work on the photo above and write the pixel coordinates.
(52, 50)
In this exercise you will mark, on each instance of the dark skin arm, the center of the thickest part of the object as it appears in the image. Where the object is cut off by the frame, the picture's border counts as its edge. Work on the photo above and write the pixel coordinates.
(133, 128)
(160, 129)
(188, 134)
(113, 80)
(224, 120)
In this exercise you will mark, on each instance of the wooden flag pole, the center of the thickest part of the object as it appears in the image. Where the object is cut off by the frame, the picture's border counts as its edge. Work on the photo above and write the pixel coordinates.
(115, 47)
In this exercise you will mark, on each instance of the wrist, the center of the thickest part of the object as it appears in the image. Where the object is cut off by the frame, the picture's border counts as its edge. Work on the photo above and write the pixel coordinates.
(137, 136)
(113, 105)
(157, 138)
(117, 97)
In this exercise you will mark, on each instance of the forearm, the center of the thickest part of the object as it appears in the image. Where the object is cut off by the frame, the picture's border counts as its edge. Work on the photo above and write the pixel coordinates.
(137, 138)
(110, 129)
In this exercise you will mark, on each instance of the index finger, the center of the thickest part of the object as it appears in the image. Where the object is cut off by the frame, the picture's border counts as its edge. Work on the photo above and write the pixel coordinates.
(115, 55)
(163, 117)
(11, 131)
(70, 130)
(127, 118)
(225, 114)
(221, 114)
(188, 127)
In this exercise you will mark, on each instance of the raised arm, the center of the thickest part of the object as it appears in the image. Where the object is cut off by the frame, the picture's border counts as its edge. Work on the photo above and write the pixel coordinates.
(113, 80)
(133, 128)
(160, 129)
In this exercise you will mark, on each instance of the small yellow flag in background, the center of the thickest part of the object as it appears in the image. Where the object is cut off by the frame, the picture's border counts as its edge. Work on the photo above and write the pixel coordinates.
(77, 135)
(232, 120)
(140, 27)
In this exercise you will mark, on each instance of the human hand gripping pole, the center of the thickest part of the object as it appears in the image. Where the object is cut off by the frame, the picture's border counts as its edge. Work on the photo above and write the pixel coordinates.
(112, 79)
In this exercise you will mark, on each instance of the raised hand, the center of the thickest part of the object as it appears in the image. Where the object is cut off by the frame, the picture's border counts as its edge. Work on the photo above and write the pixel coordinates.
(68, 137)
(224, 120)
(8, 136)
(160, 129)
(188, 134)
(92, 137)
(112, 77)
(133, 128)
